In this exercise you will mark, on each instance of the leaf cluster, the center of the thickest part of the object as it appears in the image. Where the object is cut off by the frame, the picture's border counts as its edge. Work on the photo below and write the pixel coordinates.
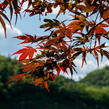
(57, 51)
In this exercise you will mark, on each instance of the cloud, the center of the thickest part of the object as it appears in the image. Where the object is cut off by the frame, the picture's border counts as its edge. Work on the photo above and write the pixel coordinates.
(106, 63)
(10, 30)
(87, 68)
(13, 30)
(107, 44)
(55, 10)
(9, 45)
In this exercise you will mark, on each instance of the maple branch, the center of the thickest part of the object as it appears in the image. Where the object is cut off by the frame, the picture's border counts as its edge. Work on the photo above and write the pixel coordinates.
(88, 33)
(97, 25)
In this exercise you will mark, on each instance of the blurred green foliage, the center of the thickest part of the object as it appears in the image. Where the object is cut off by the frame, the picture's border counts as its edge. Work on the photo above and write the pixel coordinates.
(99, 77)
(90, 93)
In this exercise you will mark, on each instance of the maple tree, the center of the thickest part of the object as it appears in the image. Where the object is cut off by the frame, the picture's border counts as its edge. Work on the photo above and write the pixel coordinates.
(79, 36)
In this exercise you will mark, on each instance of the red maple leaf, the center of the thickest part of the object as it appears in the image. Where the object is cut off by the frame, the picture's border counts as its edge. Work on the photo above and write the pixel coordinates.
(61, 69)
(27, 38)
(26, 52)
(17, 77)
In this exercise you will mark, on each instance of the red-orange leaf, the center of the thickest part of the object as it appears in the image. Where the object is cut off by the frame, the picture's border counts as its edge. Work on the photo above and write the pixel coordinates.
(17, 77)
(96, 57)
(83, 58)
(106, 15)
(27, 38)
(25, 52)
(46, 85)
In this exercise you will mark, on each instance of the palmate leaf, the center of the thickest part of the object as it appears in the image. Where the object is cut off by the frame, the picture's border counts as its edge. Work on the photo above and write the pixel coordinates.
(50, 24)
(39, 7)
(27, 38)
(42, 81)
(28, 51)
(17, 77)
(83, 58)
(77, 25)
(100, 31)
(14, 7)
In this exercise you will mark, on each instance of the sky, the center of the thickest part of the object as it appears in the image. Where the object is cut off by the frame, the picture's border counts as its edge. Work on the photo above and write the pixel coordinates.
(30, 25)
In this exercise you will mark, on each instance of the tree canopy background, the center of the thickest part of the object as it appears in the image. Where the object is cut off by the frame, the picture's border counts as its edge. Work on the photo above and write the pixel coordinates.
(90, 93)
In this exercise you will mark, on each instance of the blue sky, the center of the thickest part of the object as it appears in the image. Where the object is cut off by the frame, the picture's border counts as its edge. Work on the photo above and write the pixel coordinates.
(30, 25)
